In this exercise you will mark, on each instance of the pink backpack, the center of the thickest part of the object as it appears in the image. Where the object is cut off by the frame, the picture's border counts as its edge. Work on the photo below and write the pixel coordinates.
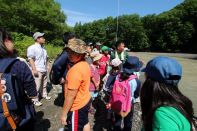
(121, 95)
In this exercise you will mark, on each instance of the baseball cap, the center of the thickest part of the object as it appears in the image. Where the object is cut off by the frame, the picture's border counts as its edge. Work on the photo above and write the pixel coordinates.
(105, 48)
(164, 69)
(37, 35)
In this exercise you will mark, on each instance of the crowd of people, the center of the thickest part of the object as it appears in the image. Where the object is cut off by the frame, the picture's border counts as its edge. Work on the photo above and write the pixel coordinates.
(96, 80)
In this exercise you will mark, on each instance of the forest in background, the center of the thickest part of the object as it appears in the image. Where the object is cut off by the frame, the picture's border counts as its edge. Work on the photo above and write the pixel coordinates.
(171, 31)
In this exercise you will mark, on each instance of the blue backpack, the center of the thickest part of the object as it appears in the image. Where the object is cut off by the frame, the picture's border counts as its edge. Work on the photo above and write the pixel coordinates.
(13, 110)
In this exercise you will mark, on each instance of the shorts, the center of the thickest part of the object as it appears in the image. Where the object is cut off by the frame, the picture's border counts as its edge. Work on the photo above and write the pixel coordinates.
(77, 119)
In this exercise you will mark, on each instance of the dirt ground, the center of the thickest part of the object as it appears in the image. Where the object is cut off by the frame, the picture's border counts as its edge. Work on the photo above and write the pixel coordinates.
(48, 115)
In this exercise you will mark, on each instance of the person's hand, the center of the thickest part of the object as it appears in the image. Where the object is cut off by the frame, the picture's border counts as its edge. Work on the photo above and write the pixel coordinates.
(62, 81)
(63, 120)
(124, 114)
(35, 73)
(49, 68)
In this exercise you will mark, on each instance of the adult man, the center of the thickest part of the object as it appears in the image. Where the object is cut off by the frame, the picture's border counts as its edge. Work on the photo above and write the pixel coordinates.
(60, 65)
(119, 52)
(77, 95)
(37, 56)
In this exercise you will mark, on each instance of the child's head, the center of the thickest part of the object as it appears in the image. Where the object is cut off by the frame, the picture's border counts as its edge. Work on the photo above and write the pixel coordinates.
(105, 50)
(115, 64)
(161, 89)
(131, 65)
(96, 59)
(164, 69)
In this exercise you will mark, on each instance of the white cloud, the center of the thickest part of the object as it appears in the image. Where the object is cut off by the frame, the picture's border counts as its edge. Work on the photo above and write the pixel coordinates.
(74, 16)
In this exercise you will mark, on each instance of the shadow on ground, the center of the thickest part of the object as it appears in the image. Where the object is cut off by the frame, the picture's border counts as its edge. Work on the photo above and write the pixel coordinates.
(41, 124)
(59, 100)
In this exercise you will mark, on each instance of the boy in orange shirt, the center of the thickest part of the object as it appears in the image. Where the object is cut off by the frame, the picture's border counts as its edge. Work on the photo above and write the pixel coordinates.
(77, 96)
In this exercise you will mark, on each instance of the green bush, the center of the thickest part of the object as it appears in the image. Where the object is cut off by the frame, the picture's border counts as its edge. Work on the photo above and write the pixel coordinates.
(53, 51)
(22, 42)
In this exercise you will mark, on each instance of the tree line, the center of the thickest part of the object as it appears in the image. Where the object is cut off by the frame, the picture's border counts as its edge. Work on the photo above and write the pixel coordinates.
(171, 31)
(29, 16)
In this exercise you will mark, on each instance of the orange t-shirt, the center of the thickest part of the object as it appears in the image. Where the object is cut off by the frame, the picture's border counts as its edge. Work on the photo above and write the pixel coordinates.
(78, 78)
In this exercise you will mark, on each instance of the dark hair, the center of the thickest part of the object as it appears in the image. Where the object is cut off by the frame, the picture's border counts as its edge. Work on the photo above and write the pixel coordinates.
(3, 50)
(124, 76)
(118, 43)
(4, 35)
(67, 36)
(154, 95)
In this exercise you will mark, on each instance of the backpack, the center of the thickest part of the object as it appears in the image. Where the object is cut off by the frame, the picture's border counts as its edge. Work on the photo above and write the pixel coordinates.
(59, 68)
(12, 109)
(121, 95)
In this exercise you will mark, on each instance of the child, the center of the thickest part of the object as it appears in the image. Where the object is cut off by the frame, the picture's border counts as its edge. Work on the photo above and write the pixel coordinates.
(123, 108)
(110, 77)
(95, 77)
(104, 61)
(164, 107)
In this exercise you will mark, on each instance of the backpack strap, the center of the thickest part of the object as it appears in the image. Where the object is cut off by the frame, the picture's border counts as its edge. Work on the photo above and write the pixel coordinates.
(132, 77)
(6, 63)
(6, 112)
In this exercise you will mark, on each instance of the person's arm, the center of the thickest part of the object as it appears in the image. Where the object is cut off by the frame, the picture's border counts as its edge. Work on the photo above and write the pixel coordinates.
(69, 99)
(59, 68)
(34, 71)
(29, 83)
(25, 78)
(31, 57)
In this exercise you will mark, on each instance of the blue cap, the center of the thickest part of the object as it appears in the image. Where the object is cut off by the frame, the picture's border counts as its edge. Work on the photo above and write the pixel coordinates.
(132, 64)
(164, 69)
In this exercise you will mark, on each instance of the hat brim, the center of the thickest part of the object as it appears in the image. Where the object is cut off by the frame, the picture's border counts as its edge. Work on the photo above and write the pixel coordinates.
(131, 70)
(97, 58)
(74, 49)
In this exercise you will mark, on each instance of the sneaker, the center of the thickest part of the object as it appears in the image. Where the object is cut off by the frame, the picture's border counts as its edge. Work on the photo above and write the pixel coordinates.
(47, 97)
(37, 103)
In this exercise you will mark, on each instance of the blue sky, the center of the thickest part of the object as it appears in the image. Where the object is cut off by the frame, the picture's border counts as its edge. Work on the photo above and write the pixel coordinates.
(90, 10)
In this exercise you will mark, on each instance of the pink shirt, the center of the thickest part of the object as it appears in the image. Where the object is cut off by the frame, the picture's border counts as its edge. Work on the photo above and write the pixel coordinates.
(95, 75)
(103, 64)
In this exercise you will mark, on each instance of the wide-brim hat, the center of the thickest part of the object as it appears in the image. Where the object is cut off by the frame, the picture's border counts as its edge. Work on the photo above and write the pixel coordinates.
(97, 57)
(77, 46)
(132, 64)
